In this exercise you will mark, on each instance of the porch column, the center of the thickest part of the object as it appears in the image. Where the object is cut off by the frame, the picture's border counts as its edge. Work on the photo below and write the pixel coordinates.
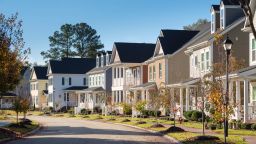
(143, 95)
(181, 102)
(231, 94)
(246, 96)
(238, 100)
(187, 98)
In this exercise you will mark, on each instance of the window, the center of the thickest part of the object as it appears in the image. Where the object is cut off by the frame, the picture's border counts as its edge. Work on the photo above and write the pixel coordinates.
(150, 73)
(160, 70)
(82, 98)
(46, 86)
(122, 99)
(222, 18)
(102, 61)
(122, 70)
(70, 81)
(117, 72)
(114, 72)
(196, 61)
(207, 61)
(67, 96)
(253, 50)
(202, 61)
(63, 81)
(97, 61)
(213, 23)
(154, 72)
(84, 81)
(50, 98)
(254, 93)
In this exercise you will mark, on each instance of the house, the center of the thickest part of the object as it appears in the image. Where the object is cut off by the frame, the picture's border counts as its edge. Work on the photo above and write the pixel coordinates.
(22, 89)
(128, 69)
(203, 52)
(39, 86)
(245, 78)
(99, 81)
(65, 78)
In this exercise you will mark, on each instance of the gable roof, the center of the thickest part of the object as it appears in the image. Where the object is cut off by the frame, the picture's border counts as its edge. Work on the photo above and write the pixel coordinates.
(72, 65)
(172, 40)
(230, 2)
(40, 71)
(134, 52)
(216, 7)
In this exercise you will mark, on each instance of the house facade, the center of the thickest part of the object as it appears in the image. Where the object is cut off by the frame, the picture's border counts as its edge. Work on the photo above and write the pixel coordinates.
(99, 81)
(128, 70)
(39, 87)
(65, 77)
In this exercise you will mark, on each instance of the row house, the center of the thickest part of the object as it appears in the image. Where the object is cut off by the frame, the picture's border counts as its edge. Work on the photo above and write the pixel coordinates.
(99, 81)
(39, 87)
(202, 52)
(128, 70)
(66, 77)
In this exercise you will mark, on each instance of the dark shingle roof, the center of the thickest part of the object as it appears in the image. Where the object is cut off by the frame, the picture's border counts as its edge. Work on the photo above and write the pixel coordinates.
(41, 72)
(172, 40)
(134, 52)
(23, 70)
(230, 2)
(72, 65)
(216, 7)
(76, 88)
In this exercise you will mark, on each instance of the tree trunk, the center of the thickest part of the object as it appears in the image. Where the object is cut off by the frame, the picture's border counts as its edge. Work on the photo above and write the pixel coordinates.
(17, 117)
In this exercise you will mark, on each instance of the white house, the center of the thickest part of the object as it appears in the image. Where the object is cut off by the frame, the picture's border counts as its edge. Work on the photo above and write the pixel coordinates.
(99, 85)
(64, 78)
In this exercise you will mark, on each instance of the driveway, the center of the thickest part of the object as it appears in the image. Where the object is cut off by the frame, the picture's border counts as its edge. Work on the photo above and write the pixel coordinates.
(74, 131)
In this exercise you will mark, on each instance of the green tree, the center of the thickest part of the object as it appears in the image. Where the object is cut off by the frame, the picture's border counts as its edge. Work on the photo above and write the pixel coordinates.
(140, 106)
(73, 40)
(86, 40)
(13, 55)
(194, 26)
(24, 104)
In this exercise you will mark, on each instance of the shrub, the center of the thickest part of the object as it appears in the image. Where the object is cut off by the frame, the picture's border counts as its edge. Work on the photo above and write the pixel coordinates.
(196, 115)
(188, 114)
(71, 111)
(213, 126)
(127, 109)
(85, 111)
(97, 110)
(151, 113)
(253, 127)
(246, 126)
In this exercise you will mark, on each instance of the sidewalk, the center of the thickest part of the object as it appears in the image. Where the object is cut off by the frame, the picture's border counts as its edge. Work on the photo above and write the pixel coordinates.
(4, 123)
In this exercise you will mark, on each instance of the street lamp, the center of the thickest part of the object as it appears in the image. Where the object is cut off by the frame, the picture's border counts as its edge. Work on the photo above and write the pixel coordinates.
(227, 44)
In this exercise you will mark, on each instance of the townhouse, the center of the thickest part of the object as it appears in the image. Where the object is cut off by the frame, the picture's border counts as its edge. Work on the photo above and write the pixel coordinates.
(227, 19)
(65, 78)
(39, 87)
(128, 70)
(99, 81)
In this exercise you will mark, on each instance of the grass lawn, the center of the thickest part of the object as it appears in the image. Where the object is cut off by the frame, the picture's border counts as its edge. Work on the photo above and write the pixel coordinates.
(184, 137)
(237, 132)
(27, 129)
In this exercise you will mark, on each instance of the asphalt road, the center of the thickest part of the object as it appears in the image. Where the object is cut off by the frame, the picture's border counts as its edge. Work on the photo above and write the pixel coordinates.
(74, 131)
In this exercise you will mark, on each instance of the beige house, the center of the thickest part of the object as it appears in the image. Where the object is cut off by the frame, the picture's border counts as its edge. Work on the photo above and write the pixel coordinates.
(39, 87)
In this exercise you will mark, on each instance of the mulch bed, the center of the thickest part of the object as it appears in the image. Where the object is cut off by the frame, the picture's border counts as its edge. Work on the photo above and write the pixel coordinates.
(157, 125)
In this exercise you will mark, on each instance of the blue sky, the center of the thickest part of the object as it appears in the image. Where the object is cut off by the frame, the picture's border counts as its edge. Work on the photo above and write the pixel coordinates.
(114, 20)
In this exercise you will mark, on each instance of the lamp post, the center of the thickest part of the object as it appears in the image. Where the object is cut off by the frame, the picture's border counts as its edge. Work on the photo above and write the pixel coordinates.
(227, 44)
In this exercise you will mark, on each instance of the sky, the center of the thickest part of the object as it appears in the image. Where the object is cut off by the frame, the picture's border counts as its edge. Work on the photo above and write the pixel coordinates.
(114, 20)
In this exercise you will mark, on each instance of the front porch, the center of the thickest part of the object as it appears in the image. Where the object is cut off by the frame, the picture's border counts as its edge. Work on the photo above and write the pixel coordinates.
(7, 100)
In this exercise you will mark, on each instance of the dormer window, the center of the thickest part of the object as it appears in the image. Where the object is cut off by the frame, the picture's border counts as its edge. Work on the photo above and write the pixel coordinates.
(222, 22)
(102, 61)
(213, 22)
(97, 61)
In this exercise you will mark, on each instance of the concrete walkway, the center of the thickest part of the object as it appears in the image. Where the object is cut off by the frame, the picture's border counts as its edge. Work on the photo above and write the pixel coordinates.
(75, 131)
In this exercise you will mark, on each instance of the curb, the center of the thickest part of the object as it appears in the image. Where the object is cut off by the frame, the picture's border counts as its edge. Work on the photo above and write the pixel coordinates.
(33, 131)
(151, 131)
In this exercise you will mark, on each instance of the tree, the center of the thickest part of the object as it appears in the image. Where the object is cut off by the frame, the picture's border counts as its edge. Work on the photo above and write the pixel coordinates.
(86, 40)
(13, 55)
(17, 108)
(73, 40)
(140, 106)
(245, 5)
(195, 25)
(25, 104)
(155, 101)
